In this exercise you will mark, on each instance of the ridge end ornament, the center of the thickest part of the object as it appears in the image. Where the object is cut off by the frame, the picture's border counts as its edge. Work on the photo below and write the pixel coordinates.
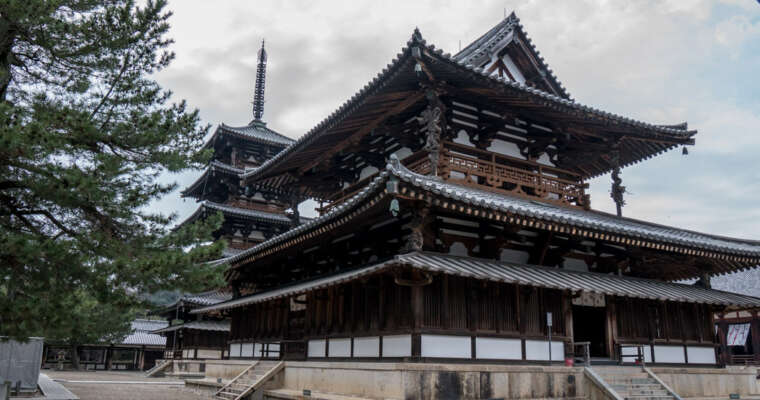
(618, 190)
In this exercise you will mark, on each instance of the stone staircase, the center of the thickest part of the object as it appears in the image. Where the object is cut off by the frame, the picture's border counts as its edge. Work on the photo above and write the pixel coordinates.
(634, 383)
(158, 369)
(248, 381)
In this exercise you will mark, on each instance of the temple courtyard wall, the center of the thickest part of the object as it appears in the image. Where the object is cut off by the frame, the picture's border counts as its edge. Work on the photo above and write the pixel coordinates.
(402, 380)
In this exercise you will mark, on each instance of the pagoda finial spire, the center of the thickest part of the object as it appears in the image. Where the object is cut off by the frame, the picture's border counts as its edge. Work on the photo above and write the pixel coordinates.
(258, 95)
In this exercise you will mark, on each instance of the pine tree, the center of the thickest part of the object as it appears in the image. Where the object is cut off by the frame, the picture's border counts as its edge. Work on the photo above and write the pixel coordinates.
(85, 133)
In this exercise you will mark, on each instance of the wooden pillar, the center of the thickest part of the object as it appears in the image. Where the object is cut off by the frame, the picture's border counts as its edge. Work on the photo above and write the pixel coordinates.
(612, 334)
(417, 315)
(722, 332)
(141, 367)
(567, 311)
(109, 355)
(755, 332)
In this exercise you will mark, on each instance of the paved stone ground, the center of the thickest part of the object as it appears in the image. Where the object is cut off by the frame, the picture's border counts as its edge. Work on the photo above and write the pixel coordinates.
(119, 388)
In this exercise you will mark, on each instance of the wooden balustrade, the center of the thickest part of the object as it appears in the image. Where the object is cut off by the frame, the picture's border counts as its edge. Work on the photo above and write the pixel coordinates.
(492, 171)
(479, 168)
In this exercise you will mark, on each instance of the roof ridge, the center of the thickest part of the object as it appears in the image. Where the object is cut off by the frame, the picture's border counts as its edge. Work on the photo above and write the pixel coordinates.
(448, 58)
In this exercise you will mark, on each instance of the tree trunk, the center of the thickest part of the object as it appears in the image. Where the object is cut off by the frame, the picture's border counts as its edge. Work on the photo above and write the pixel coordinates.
(75, 357)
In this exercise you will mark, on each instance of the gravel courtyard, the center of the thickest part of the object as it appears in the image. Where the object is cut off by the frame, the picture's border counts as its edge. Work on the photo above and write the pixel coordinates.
(123, 385)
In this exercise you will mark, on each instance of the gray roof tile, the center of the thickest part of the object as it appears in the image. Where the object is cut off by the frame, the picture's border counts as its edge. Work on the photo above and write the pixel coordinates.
(522, 274)
(221, 326)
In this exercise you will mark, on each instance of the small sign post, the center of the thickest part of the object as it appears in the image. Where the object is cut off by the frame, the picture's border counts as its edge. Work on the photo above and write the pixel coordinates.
(549, 328)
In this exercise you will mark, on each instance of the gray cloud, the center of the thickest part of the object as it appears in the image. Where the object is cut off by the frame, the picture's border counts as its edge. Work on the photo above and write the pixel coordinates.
(660, 61)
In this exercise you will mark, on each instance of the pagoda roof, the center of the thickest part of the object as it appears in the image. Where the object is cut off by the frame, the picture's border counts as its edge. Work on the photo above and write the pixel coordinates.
(508, 272)
(237, 212)
(494, 39)
(255, 131)
(395, 90)
(214, 166)
(730, 253)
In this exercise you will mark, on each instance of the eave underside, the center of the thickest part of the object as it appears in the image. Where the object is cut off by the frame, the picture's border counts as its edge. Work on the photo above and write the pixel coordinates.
(394, 98)
(647, 249)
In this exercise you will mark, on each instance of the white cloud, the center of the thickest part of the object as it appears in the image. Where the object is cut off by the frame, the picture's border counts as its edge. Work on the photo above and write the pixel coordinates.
(662, 62)
(736, 30)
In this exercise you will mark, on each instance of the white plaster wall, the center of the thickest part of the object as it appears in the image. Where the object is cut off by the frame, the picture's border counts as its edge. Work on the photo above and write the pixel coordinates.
(235, 350)
(339, 348)
(539, 350)
(463, 138)
(257, 235)
(367, 171)
(575, 264)
(257, 350)
(403, 153)
(505, 148)
(458, 249)
(367, 346)
(212, 354)
(397, 346)
(630, 351)
(544, 159)
(669, 354)
(246, 350)
(509, 255)
(316, 348)
(496, 348)
(446, 346)
(700, 355)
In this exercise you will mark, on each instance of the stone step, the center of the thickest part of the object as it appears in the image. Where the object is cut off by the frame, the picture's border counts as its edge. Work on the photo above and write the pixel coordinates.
(642, 393)
(629, 381)
(636, 386)
(633, 375)
(648, 397)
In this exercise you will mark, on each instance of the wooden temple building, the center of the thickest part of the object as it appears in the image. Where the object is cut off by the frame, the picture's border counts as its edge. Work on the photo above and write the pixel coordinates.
(192, 336)
(457, 225)
(139, 350)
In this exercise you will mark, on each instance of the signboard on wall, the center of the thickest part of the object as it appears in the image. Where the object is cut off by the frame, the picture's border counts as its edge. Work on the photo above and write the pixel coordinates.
(737, 334)
(589, 299)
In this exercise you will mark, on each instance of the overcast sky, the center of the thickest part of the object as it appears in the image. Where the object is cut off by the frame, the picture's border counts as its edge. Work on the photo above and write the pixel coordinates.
(658, 61)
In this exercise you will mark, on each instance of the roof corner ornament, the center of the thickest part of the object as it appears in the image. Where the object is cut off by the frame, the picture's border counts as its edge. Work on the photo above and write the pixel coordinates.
(618, 190)
(258, 94)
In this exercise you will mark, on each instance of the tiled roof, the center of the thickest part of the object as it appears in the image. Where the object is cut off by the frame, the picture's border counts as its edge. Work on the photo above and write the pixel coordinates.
(522, 274)
(221, 326)
(491, 39)
(141, 335)
(258, 131)
(238, 212)
(230, 251)
(214, 166)
(206, 298)
(742, 282)
(532, 95)
(593, 220)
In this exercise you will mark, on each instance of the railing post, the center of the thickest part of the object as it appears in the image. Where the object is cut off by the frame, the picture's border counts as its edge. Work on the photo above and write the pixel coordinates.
(586, 355)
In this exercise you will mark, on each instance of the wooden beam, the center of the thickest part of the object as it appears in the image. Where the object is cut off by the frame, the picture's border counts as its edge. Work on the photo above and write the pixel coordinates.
(361, 132)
